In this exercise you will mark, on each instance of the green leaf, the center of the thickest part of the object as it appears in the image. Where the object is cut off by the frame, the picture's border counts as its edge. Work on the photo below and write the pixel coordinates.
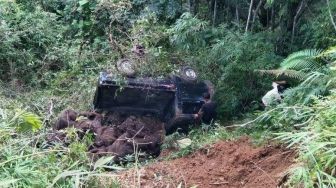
(83, 2)
(102, 161)
(26, 121)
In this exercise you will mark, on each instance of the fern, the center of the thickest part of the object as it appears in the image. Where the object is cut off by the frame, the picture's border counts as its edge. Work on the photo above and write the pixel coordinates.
(305, 60)
(287, 73)
(315, 84)
(298, 65)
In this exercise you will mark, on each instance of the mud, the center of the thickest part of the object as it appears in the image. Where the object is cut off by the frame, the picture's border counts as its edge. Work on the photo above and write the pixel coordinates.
(224, 164)
(114, 134)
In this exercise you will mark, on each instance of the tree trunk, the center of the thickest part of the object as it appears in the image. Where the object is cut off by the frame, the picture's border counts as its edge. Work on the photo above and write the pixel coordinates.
(296, 17)
(331, 16)
(255, 12)
(214, 14)
(237, 14)
(249, 16)
(272, 18)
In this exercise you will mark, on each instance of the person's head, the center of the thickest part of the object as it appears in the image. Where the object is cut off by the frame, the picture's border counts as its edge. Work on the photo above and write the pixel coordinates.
(282, 86)
(206, 96)
(274, 84)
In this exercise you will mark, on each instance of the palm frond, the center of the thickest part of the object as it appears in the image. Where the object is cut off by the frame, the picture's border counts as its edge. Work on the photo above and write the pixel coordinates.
(287, 73)
(302, 60)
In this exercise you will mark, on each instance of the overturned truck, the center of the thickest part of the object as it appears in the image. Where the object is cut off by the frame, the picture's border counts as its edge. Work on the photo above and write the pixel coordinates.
(135, 113)
(173, 100)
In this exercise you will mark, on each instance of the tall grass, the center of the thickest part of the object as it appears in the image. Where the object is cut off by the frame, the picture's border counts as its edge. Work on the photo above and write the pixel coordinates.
(27, 160)
(316, 143)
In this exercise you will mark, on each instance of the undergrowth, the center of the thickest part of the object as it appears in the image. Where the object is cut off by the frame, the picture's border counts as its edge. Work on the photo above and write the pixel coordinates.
(306, 120)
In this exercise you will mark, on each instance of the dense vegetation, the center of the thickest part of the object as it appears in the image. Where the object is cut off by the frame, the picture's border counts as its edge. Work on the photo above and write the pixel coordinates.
(52, 51)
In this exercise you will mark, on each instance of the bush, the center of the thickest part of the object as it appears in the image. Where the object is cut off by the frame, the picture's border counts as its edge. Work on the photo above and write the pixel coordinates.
(30, 44)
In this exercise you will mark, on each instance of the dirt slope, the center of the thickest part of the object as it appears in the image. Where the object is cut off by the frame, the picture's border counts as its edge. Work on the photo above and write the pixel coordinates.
(224, 164)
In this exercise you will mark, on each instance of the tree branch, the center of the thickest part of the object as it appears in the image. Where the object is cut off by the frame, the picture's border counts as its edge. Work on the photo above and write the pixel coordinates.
(255, 12)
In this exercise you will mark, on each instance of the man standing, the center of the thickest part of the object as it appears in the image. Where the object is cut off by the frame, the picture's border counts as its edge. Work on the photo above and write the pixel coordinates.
(207, 112)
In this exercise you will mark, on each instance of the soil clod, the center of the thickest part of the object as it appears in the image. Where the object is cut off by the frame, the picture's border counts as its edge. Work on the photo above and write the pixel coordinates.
(114, 134)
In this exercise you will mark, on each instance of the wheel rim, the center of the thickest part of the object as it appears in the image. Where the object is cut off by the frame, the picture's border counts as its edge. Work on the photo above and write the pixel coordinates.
(126, 66)
(190, 73)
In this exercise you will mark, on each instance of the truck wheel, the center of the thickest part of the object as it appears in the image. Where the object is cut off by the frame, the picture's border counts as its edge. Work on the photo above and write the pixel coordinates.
(126, 67)
(188, 74)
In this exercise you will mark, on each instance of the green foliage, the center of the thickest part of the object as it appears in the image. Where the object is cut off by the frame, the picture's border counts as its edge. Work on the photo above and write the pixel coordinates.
(297, 75)
(298, 64)
(29, 42)
(316, 84)
(318, 31)
(26, 121)
(230, 62)
(305, 60)
(228, 58)
(306, 119)
(316, 144)
(23, 163)
(188, 33)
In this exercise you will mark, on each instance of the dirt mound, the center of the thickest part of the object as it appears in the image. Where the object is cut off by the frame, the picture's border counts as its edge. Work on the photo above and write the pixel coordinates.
(114, 134)
(224, 164)
(143, 134)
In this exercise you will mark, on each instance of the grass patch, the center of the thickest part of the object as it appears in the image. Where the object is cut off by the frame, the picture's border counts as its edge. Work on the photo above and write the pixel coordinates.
(201, 137)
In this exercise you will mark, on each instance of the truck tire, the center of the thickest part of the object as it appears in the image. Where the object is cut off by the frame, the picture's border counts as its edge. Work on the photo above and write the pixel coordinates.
(126, 67)
(188, 74)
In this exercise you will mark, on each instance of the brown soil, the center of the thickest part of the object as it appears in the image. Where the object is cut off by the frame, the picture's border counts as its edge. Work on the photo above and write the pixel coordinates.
(224, 164)
(114, 134)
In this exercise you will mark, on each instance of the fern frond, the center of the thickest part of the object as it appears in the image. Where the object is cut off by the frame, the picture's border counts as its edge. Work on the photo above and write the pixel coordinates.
(287, 73)
(302, 60)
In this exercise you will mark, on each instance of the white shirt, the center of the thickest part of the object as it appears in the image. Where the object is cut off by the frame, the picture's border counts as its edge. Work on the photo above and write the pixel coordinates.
(271, 96)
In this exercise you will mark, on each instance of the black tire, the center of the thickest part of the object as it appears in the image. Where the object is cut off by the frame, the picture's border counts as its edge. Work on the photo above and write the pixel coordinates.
(126, 67)
(188, 74)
